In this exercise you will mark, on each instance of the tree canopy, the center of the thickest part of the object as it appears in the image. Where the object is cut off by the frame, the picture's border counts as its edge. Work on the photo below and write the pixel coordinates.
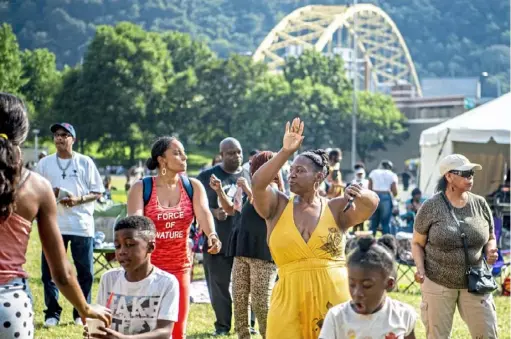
(134, 85)
(445, 38)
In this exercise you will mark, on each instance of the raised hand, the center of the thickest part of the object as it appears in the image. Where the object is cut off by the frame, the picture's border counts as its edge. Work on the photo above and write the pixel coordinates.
(243, 183)
(215, 183)
(293, 136)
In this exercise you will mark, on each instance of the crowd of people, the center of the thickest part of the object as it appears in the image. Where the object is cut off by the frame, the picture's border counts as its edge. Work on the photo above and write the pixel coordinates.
(276, 231)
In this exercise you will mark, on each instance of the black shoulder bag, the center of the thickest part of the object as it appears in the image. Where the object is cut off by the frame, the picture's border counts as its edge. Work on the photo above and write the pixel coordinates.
(480, 279)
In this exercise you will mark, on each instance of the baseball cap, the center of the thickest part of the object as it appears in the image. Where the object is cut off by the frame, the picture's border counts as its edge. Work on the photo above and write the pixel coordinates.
(360, 170)
(64, 125)
(457, 162)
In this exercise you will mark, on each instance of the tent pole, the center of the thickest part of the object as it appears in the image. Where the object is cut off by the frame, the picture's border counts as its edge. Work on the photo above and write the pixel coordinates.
(437, 158)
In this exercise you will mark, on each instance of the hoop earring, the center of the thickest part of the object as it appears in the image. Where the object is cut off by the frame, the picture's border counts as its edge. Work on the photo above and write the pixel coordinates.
(164, 171)
(316, 186)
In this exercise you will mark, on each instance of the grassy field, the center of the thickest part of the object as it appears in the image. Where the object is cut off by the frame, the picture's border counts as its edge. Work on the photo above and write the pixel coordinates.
(201, 317)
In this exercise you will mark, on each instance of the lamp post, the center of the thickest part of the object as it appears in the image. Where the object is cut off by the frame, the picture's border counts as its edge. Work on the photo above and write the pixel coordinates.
(355, 84)
(36, 142)
(486, 74)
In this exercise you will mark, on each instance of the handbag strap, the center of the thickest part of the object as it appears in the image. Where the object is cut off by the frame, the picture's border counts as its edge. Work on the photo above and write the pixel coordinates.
(463, 235)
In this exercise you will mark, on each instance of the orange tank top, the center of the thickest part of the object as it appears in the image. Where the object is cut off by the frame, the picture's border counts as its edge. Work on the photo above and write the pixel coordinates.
(172, 231)
(15, 232)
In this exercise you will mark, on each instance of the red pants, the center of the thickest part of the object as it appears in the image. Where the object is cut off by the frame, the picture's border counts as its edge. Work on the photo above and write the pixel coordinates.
(183, 278)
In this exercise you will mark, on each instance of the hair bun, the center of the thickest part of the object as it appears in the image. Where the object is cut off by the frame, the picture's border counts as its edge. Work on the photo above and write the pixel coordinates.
(389, 243)
(365, 243)
(151, 164)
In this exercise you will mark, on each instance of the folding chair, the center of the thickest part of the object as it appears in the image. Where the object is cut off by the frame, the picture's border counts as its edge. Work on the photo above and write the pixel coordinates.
(405, 264)
(101, 260)
(405, 275)
(501, 265)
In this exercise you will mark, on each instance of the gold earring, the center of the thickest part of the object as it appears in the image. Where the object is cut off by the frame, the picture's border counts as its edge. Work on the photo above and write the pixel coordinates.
(316, 186)
(164, 171)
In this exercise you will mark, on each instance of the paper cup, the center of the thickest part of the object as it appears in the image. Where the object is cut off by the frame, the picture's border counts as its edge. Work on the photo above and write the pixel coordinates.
(94, 324)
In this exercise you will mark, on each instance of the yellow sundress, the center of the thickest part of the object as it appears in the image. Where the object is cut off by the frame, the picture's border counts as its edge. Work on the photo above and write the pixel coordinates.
(312, 276)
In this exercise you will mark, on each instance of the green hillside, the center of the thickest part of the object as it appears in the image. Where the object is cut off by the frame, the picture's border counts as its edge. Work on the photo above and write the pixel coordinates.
(446, 38)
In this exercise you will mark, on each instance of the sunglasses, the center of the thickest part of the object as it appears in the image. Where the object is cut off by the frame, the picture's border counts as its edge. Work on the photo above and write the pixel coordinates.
(61, 135)
(463, 174)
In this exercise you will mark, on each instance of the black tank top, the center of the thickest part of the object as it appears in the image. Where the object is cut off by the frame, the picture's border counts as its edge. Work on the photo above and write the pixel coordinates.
(248, 238)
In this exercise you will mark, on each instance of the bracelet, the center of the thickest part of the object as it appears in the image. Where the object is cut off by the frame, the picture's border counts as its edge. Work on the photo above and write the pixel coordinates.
(213, 234)
(82, 199)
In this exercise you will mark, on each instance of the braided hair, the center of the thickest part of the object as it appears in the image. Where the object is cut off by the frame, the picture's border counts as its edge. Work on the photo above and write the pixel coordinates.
(373, 254)
(13, 132)
(319, 158)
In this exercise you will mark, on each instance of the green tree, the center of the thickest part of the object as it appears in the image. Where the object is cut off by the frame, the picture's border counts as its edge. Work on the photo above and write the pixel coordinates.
(263, 114)
(39, 68)
(379, 123)
(182, 102)
(223, 89)
(69, 105)
(11, 69)
(322, 96)
(124, 72)
(323, 110)
(327, 71)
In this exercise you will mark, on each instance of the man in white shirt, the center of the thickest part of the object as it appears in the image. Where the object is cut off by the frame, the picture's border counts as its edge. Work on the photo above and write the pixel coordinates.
(77, 185)
(383, 181)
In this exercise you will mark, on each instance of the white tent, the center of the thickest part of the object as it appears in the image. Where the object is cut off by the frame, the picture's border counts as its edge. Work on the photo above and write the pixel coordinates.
(482, 135)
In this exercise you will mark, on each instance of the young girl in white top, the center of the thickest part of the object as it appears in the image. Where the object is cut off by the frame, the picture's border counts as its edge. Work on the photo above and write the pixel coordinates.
(371, 313)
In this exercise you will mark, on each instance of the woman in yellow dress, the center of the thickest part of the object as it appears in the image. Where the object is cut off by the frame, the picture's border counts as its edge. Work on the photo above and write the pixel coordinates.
(306, 236)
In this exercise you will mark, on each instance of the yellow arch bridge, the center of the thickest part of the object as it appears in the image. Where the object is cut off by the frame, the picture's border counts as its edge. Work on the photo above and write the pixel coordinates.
(385, 58)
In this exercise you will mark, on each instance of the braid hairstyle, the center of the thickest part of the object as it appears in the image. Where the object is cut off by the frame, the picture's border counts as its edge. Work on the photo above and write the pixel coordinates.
(13, 132)
(320, 159)
(373, 254)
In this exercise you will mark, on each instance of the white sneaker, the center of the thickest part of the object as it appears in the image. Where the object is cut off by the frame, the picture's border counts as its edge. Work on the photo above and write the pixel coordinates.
(79, 322)
(51, 322)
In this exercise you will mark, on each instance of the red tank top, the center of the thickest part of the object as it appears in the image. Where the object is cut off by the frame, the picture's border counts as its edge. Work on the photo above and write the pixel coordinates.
(172, 231)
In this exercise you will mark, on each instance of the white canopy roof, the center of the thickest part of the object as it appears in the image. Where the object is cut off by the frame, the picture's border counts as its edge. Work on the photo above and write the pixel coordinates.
(479, 125)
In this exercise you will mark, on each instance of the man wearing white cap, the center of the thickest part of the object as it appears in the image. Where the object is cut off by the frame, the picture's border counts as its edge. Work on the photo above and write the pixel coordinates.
(453, 231)
(360, 177)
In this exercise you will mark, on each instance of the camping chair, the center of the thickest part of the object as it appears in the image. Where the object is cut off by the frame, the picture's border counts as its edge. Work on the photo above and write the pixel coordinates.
(500, 266)
(405, 263)
(106, 216)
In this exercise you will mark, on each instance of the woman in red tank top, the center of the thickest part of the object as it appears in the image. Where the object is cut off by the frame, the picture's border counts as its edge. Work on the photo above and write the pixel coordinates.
(172, 211)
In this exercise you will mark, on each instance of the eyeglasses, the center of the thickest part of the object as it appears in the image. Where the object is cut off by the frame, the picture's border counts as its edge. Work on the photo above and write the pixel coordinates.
(463, 174)
(61, 135)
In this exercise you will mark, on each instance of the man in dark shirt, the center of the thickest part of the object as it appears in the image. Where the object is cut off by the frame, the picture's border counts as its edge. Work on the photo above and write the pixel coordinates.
(217, 267)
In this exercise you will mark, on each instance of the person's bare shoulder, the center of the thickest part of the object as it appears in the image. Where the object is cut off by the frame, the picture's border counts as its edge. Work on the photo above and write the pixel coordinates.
(36, 184)
(34, 192)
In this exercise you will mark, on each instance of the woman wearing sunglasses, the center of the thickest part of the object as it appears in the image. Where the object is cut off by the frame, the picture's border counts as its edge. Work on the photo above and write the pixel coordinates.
(439, 255)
